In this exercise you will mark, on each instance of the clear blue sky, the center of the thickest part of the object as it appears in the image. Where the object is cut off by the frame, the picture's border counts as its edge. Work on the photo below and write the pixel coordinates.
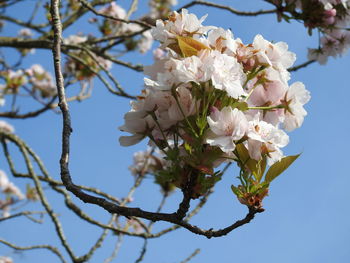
(306, 218)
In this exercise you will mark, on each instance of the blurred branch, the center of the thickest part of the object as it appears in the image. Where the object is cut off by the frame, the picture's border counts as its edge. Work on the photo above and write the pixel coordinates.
(133, 8)
(88, 6)
(188, 259)
(303, 65)
(37, 28)
(115, 250)
(26, 214)
(143, 252)
(48, 247)
(230, 9)
(16, 115)
(40, 192)
(120, 91)
(72, 18)
(35, 11)
(98, 243)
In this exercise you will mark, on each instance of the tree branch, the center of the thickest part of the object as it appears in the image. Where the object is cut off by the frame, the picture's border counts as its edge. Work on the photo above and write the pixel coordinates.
(88, 6)
(51, 248)
(230, 9)
(303, 65)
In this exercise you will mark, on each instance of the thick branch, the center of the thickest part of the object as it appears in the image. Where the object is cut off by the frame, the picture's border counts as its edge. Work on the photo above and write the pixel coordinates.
(64, 161)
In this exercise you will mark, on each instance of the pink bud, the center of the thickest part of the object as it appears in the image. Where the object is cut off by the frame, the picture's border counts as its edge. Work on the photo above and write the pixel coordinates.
(330, 12)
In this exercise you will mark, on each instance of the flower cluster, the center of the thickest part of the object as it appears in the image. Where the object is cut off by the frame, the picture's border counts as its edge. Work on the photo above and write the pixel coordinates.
(151, 162)
(87, 66)
(12, 192)
(330, 17)
(41, 81)
(161, 8)
(210, 99)
(13, 81)
(35, 80)
(25, 33)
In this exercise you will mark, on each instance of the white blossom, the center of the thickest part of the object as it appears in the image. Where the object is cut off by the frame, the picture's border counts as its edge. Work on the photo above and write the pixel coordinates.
(74, 40)
(295, 98)
(226, 126)
(225, 72)
(265, 138)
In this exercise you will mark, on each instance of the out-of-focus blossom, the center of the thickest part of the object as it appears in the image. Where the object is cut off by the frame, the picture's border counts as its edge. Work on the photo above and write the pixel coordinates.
(330, 17)
(74, 39)
(25, 32)
(4, 259)
(41, 81)
(8, 187)
(6, 127)
(13, 81)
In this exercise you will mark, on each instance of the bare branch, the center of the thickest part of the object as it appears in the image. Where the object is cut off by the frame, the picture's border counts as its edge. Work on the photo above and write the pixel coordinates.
(37, 28)
(230, 9)
(115, 250)
(143, 251)
(303, 65)
(188, 259)
(133, 8)
(88, 6)
(44, 201)
(26, 214)
(48, 247)
(98, 242)
(16, 115)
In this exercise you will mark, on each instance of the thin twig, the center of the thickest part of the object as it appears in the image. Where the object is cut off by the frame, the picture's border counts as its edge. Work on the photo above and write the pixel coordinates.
(303, 65)
(32, 114)
(48, 247)
(115, 250)
(40, 192)
(230, 9)
(88, 6)
(24, 213)
(143, 251)
(188, 259)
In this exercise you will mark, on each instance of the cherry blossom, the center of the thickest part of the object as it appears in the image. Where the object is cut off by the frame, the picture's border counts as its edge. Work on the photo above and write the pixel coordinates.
(295, 98)
(6, 127)
(209, 99)
(226, 126)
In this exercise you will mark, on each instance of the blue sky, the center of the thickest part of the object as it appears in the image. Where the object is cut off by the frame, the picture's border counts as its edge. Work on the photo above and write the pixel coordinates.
(306, 217)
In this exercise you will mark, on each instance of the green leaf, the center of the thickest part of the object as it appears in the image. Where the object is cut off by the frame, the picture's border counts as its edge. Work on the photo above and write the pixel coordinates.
(277, 168)
(257, 168)
(235, 190)
(260, 169)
